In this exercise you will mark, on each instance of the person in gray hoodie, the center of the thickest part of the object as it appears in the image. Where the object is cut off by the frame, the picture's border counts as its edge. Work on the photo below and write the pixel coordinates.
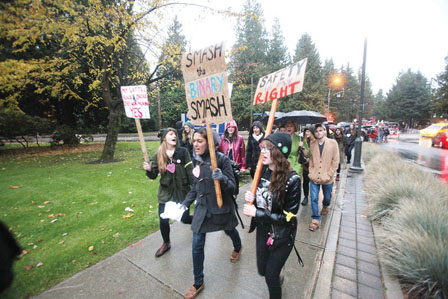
(256, 136)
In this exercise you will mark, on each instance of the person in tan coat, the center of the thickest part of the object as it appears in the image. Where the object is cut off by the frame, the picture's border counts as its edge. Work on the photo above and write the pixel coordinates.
(324, 161)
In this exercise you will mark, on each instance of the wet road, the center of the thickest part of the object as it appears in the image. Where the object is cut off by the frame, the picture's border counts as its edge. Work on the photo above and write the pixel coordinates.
(413, 150)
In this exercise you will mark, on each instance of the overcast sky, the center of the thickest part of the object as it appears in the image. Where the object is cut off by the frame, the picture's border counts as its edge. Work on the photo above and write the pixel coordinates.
(401, 34)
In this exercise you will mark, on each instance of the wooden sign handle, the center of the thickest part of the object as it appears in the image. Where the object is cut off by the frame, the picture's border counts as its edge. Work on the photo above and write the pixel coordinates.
(268, 131)
(142, 140)
(211, 148)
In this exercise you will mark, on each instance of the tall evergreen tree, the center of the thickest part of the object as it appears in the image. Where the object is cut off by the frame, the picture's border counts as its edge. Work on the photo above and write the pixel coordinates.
(277, 56)
(441, 95)
(312, 97)
(248, 62)
(380, 108)
(172, 91)
(409, 100)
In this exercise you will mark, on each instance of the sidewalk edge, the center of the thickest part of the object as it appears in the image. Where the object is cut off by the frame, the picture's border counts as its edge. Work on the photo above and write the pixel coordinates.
(322, 287)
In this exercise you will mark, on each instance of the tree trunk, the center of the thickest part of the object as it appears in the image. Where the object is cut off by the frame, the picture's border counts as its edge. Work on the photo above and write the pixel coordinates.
(112, 135)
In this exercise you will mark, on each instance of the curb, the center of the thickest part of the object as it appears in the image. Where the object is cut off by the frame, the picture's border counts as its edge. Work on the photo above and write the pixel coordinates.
(322, 287)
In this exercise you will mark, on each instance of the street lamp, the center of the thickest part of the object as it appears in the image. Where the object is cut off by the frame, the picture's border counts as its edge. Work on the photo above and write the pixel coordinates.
(334, 80)
(356, 166)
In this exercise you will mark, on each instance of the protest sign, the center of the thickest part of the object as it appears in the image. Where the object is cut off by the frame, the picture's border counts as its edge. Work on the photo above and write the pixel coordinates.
(272, 87)
(135, 100)
(206, 85)
(281, 83)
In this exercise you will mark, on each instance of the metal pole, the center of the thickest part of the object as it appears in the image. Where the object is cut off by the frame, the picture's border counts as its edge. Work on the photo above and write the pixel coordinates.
(328, 107)
(251, 99)
(159, 109)
(356, 166)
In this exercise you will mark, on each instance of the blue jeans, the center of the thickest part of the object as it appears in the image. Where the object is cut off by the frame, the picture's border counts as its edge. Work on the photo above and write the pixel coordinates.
(198, 252)
(314, 194)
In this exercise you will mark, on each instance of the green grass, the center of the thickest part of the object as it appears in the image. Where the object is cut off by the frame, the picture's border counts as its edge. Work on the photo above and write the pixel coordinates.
(91, 198)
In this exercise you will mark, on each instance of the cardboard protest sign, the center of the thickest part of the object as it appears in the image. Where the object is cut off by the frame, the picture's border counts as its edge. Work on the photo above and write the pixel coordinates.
(206, 85)
(135, 100)
(281, 83)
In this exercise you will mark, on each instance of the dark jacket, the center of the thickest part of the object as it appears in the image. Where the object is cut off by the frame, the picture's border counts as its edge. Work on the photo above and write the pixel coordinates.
(253, 146)
(188, 145)
(208, 217)
(350, 137)
(174, 186)
(275, 219)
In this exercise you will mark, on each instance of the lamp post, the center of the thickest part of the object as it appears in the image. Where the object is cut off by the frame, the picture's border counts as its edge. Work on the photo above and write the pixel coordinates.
(336, 81)
(356, 166)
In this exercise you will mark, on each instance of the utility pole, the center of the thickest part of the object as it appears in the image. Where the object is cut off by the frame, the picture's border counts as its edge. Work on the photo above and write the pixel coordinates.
(356, 166)
(251, 99)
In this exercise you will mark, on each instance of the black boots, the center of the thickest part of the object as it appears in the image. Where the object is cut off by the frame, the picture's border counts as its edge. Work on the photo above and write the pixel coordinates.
(305, 201)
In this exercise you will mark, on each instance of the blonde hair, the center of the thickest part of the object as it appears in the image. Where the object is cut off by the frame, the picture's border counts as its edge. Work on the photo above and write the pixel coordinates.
(186, 135)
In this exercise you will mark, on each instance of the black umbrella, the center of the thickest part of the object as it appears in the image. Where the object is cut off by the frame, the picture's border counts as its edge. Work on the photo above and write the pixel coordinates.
(297, 116)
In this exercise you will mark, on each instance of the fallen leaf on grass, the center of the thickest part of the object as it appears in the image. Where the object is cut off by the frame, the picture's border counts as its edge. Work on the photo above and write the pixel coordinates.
(41, 207)
(93, 203)
(15, 187)
(74, 261)
(62, 242)
(150, 206)
(42, 221)
(64, 234)
(46, 202)
(127, 216)
(116, 235)
(40, 264)
(53, 221)
(91, 248)
(128, 209)
(102, 242)
(35, 246)
(24, 252)
(51, 216)
(40, 240)
(29, 267)
(40, 214)
(60, 215)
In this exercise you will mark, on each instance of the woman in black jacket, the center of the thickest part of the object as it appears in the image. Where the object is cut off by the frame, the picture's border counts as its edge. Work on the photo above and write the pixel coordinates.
(274, 209)
(256, 135)
(208, 217)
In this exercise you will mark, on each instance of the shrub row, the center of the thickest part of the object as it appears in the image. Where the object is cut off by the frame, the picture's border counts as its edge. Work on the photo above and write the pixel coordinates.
(412, 206)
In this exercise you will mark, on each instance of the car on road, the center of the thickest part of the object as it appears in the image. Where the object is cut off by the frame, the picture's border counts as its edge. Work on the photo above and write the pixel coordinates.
(433, 130)
(441, 140)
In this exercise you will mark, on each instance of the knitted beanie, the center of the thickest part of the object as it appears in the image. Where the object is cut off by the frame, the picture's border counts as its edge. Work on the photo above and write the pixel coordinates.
(282, 141)
(187, 123)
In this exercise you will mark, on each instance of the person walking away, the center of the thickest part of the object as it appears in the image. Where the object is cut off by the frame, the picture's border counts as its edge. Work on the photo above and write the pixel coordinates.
(307, 138)
(386, 133)
(232, 145)
(351, 137)
(291, 129)
(342, 144)
(175, 168)
(380, 132)
(187, 137)
(208, 217)
(273, 210)
(324, 161)
(256, 135)
(373, 134)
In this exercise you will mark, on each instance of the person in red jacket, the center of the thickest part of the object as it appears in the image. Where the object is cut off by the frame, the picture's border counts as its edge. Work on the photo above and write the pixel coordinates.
(232, 145)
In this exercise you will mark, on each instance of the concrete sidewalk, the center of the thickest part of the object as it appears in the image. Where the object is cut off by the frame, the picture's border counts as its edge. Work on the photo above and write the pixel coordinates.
(134, 272)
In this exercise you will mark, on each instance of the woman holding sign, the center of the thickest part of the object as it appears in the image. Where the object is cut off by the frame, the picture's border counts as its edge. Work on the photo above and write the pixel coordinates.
(208, 217)
(175, 168)
(274, 208)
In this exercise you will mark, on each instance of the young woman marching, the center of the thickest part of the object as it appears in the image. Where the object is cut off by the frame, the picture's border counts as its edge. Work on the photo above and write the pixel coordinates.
(187, 137)
(274, 209)
(305, 146)
(208, 217)
(175, 168)
(256, 135)
(232, 145)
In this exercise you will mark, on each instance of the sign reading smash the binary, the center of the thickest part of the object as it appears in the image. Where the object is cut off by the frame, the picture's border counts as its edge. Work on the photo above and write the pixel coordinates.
(205, 76)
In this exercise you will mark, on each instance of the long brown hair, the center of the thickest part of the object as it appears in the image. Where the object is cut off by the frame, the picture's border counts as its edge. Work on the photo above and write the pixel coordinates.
(279, 176)
(162, 157)
(186, 135)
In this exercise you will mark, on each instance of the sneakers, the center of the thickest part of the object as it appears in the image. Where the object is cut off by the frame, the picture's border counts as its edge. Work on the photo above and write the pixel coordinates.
(305, 201)
(324, 211)
(164, 248)
(236, 255)
(193, 292)
(314, 225)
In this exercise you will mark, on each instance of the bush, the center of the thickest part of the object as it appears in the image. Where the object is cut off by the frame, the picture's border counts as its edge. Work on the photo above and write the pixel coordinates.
(415, 246)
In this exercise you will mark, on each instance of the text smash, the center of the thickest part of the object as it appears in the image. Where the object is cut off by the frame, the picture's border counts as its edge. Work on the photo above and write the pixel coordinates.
(207, 54)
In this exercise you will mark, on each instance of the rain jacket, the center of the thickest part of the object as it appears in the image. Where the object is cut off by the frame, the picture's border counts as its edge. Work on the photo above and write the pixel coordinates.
(238, 146)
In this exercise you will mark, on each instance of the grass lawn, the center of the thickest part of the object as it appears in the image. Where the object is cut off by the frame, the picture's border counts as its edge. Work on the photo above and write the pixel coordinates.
(67, 214)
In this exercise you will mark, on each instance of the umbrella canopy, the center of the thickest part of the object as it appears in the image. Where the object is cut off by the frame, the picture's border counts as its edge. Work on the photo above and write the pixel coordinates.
(297, 116)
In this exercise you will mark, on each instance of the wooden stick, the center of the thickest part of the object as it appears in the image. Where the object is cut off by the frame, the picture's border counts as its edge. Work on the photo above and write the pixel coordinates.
(211, 148)
(142, 140)
(268, 131)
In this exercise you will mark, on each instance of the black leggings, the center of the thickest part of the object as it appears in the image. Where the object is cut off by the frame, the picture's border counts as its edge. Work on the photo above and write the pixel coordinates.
(165, 223)
(306, 183)
(270, 263)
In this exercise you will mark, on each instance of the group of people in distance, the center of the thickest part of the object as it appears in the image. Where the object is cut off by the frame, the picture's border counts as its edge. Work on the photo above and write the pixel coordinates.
(289, 161)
